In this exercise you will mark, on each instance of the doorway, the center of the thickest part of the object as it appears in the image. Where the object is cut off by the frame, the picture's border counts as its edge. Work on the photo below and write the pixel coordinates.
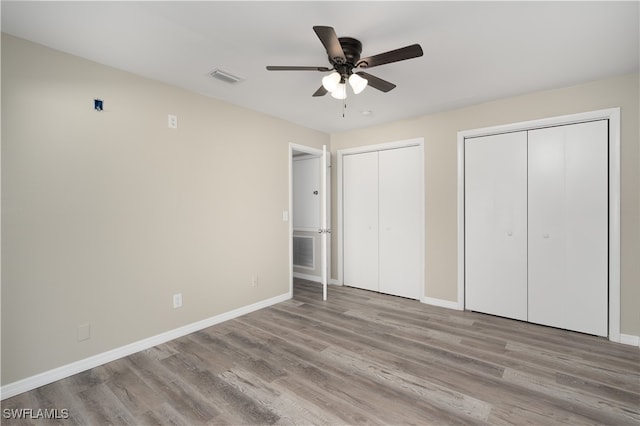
(309, 227)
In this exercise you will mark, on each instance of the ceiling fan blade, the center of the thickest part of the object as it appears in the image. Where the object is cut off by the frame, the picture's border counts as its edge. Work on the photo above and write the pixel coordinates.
(377, 83)
(295, 68)
(320, 92)
(329, 39)
(407, 52)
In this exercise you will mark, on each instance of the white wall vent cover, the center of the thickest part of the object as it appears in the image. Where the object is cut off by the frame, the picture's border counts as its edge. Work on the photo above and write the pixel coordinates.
(303, 252)
(225, 76)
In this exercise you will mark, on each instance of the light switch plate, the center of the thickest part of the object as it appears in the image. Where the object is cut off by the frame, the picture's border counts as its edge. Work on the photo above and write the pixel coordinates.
(177, 300)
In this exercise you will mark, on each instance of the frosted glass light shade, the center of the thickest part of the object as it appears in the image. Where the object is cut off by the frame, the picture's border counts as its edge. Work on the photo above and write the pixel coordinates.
(357, 83)
(331, 81)
(340, 92)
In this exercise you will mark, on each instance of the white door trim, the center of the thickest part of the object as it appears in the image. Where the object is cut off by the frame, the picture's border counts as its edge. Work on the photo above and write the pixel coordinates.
(372, 148)
(611, 114)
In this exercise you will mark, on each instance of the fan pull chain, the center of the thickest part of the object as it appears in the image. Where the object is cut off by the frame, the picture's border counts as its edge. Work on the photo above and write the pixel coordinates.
(344, 106)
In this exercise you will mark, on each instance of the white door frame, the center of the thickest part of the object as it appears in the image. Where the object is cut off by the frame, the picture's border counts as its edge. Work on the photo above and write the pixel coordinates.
(371, 148)
(611, 114)
(325, 216)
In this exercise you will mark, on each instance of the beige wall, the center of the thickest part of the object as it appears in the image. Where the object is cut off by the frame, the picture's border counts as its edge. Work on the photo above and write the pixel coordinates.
(105, 215)
(440, 133)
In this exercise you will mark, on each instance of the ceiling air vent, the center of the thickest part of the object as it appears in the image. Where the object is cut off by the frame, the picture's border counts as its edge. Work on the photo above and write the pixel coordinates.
(225, 76)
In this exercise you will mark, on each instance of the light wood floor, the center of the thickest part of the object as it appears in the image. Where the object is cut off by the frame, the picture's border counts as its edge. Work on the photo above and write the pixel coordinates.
(360, 358)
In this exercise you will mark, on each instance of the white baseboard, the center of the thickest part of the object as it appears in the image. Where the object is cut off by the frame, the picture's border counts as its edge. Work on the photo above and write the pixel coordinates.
(628, 339)
(334, 281)
(308, 277)
(442, 303)
(33, 382)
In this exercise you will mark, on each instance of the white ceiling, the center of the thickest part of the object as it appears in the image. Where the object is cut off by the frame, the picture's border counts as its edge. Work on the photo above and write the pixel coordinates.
(473, 51)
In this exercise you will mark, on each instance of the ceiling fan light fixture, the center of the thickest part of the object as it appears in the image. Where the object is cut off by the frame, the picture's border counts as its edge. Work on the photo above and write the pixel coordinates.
(357, 83)
(340, 92)
(331, 81)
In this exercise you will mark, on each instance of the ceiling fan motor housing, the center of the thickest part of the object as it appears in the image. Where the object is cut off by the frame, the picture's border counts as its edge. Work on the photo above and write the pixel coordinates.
(352, 49)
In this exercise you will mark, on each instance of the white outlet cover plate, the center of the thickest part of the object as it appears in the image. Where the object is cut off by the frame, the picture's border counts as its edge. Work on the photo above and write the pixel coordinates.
(173, 121)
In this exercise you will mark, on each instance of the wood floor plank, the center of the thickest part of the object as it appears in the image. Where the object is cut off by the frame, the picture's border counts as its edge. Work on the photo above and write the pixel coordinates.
(219, 394)
(331, 374)
(170, 387)
(133, 392)
(289, 406)
(358, 358)
(104, 407)
(164, 414)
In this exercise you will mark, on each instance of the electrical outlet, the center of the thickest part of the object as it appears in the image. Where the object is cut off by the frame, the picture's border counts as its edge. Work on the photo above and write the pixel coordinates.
(177, 300)
(173, 121)
(254, 281)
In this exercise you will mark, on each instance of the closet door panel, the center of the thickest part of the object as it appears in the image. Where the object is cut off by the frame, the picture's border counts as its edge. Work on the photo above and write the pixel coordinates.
(496, 225)
(400, 214)
(360, 220)
(568, 227)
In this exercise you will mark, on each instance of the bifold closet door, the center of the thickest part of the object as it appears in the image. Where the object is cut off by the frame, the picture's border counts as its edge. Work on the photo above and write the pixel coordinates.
(360, 220)
(568, 227)
(382, 215)
(400, 213)
(496, 224)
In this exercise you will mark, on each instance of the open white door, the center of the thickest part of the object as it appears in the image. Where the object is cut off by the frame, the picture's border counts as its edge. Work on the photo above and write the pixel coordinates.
(325, 230)
(311, 216)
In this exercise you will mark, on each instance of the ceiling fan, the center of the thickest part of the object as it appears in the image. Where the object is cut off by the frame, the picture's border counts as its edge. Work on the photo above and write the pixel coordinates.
(346, 64)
